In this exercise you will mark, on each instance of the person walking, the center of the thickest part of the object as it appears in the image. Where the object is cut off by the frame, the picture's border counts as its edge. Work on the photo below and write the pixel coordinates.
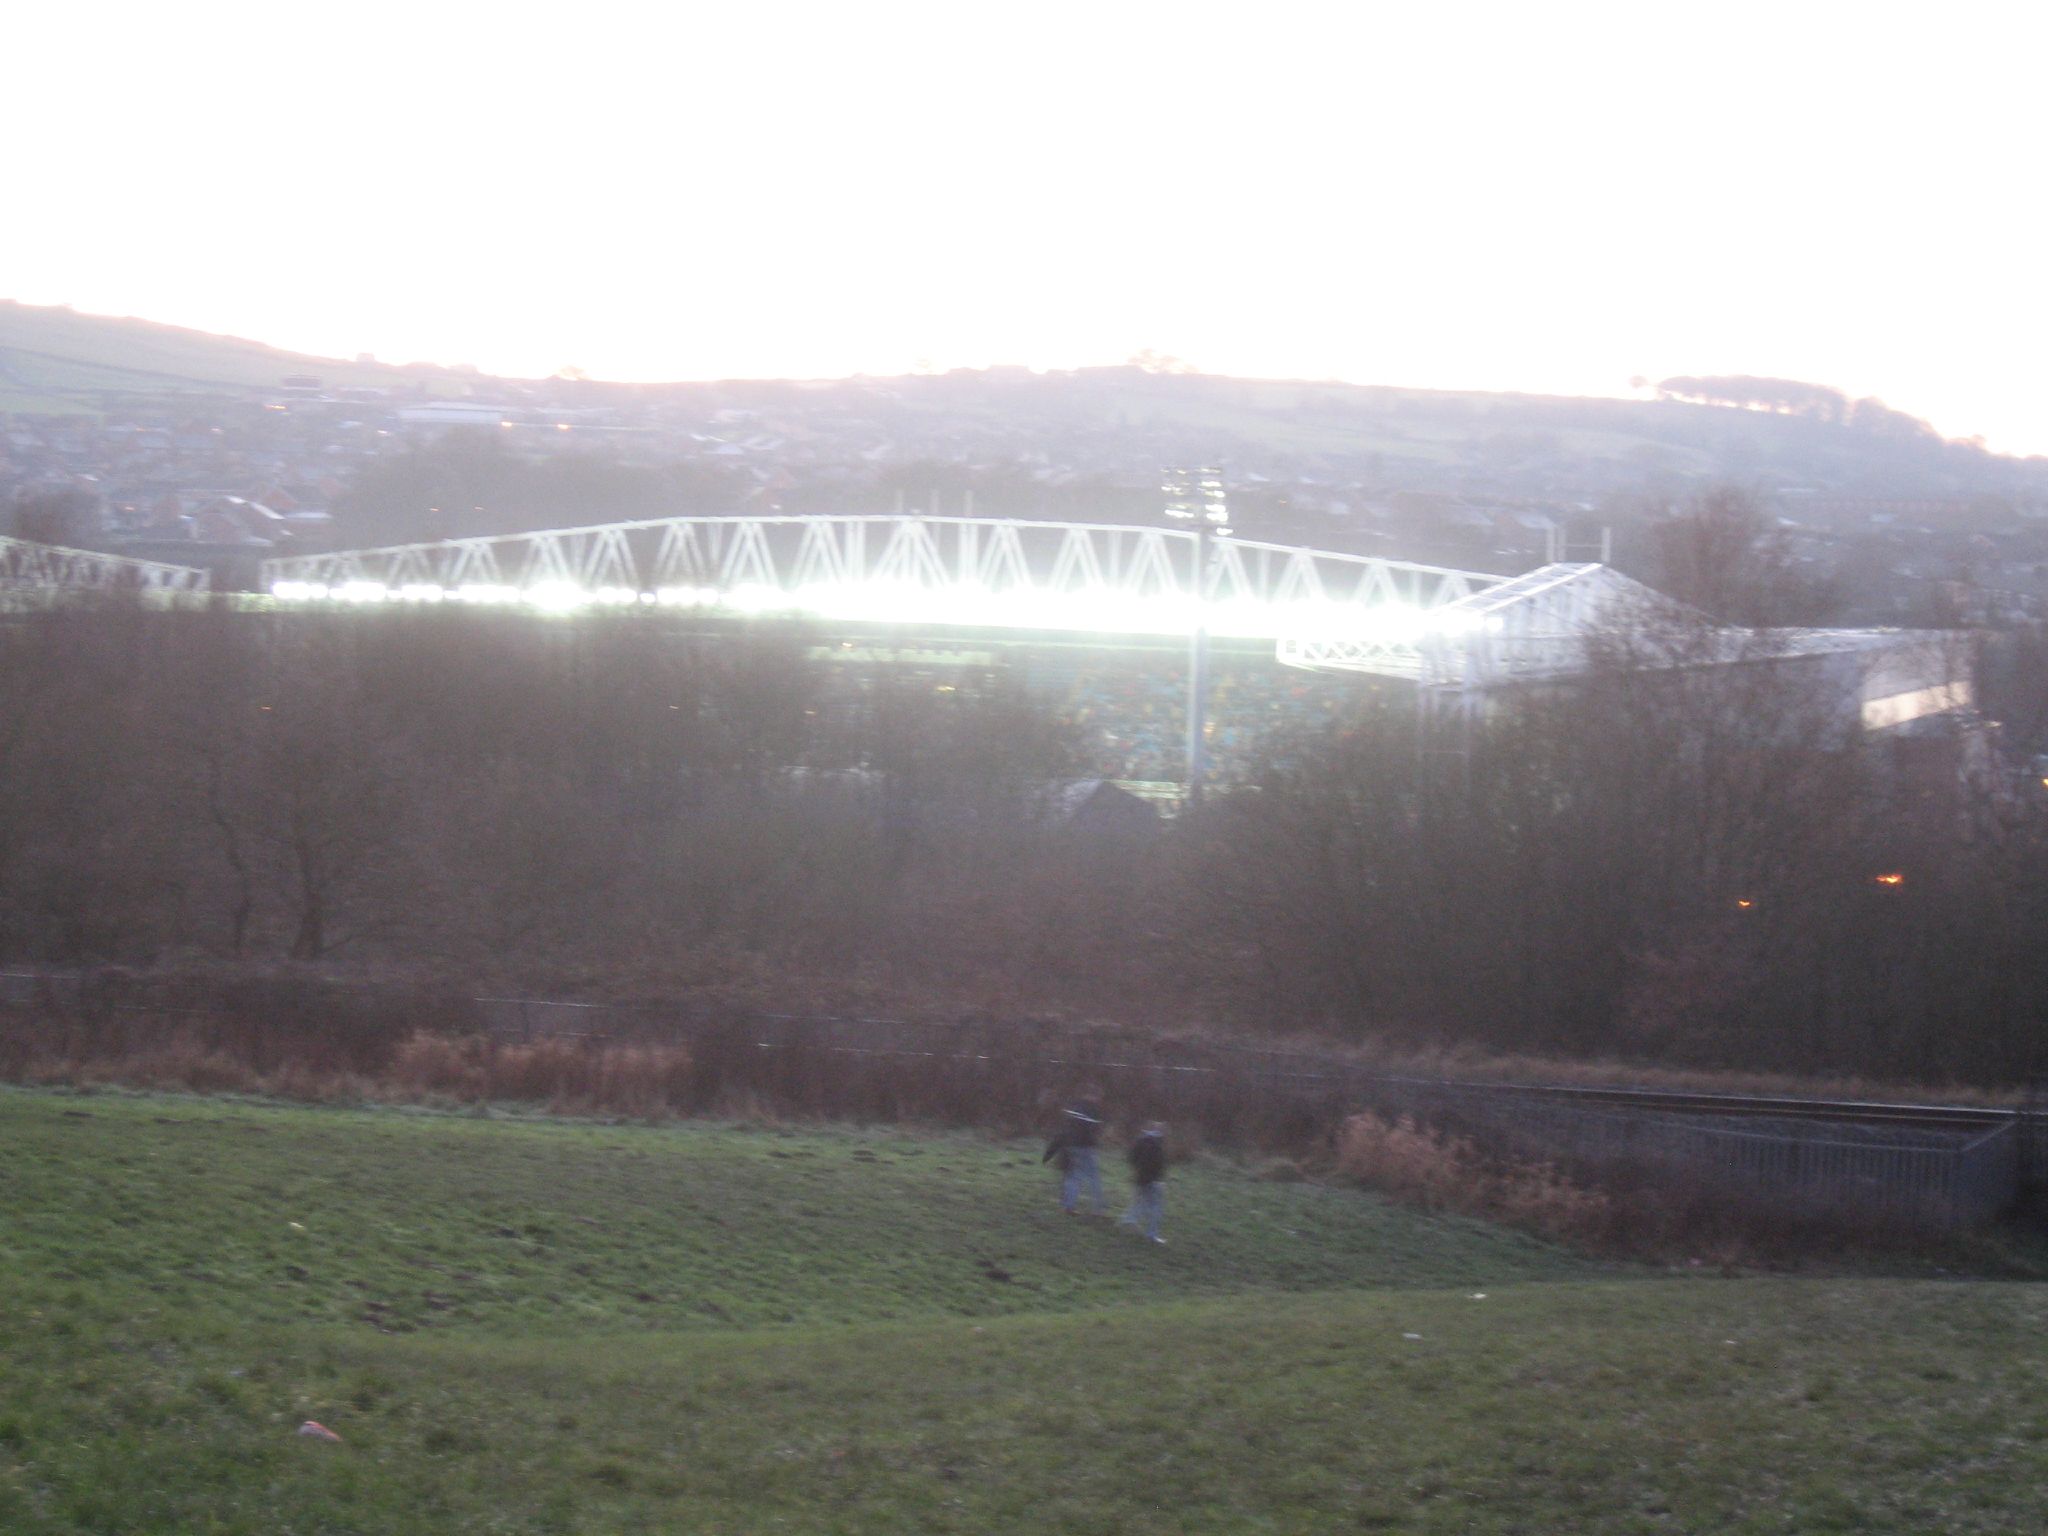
(1073, 1145)
(1148, 1173)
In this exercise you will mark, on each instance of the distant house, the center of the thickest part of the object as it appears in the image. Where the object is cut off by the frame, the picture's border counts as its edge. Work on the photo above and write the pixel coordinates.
(277, 498)
(233, 520)
(222, 521)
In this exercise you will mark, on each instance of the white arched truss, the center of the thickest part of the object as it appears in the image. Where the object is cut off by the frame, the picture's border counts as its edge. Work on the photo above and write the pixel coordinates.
(1092, 577)
(25, 565)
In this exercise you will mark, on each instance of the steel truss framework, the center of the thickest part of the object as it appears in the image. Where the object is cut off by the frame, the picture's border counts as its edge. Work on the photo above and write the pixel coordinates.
(1531, 628)
(1015, 574)
(26, 565)
(1561, 621)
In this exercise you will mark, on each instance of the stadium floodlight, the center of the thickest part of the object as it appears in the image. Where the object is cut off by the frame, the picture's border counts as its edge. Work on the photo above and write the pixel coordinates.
(1096, 607)
(560, 597)
(484, 592)
(1195, 497)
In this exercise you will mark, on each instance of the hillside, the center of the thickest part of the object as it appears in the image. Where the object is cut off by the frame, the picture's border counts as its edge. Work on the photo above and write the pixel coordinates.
(54, 359)
(1389, 440)
(532, 1327)
(1098, 427)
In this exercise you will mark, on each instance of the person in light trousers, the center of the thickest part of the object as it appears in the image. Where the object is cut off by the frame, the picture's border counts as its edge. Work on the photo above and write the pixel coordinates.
(1148, 1173)
(1073, 1145)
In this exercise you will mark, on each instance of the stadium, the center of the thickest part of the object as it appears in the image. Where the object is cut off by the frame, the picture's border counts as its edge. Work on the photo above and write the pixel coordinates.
(1102, 616)
(1108, 620)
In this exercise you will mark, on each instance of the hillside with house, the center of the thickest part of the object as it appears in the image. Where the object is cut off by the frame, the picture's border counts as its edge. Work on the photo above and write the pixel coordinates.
(177, 442)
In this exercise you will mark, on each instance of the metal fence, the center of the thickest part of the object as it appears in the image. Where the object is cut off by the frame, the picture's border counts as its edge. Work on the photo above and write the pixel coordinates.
(527, 1018)
(2033, 1137)
(1944, 1178)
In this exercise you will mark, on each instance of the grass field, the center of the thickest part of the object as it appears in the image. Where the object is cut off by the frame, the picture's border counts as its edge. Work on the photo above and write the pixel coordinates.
(533, 1326)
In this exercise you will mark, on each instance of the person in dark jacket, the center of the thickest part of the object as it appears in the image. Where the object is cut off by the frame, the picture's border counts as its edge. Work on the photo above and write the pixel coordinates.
(1072, 1151)
(1148, 1173)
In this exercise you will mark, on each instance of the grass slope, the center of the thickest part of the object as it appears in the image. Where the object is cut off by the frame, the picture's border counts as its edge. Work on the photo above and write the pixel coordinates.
(542, 1327)
(118, 1206)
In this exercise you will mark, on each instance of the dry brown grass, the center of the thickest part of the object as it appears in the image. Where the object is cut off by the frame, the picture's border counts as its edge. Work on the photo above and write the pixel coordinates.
(1423, 1166)
(570, 1076)
(186, 1065)
(357, 1022)
(566, 1076)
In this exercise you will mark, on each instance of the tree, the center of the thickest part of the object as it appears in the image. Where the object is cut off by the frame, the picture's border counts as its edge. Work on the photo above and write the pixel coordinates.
(325, 798)
(1572, 852)
(1721, 554)
(1789, 397)
(67, 516)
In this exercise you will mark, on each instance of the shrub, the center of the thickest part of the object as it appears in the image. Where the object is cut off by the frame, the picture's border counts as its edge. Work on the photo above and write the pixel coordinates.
(1446, 1172)
(436, 1064)
(562, 1074)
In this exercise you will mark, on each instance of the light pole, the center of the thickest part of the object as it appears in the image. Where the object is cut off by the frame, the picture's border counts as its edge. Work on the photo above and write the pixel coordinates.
(1195, 497)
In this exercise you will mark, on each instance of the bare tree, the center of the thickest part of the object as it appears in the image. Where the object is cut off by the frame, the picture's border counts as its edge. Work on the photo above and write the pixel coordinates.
(1721, 553)
(68, 516)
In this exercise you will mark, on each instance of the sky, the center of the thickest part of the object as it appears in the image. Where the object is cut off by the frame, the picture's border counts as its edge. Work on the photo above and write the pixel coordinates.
(1553, 198)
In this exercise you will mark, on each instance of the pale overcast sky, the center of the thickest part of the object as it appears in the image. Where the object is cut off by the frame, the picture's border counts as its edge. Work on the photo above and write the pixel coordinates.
(1549, 198)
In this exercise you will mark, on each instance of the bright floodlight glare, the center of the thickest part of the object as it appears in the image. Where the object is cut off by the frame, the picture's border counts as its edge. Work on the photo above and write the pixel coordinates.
(685, 597)
(484, 593)
(1454, 623)
(557, 596)
(1088, 609)
(754, 597)
(972, 604)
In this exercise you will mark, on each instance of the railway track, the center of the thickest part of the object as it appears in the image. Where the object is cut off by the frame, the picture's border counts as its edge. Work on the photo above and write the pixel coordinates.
(1933, 1117)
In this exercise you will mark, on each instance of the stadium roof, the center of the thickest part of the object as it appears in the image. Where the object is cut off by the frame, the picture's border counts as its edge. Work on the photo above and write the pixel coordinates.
(1565, 620)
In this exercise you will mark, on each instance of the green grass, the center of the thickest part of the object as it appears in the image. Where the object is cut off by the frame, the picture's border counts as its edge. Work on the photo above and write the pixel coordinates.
(531, 1326)
(119, 1204)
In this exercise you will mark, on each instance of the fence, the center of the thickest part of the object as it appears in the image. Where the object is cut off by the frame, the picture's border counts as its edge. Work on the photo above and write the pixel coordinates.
(2033, 1128)
(1008, 1072)
(1946, 1178)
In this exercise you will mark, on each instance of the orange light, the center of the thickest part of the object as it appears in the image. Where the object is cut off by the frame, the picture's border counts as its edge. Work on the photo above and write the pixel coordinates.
(1891, 879)
(1744, 902)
